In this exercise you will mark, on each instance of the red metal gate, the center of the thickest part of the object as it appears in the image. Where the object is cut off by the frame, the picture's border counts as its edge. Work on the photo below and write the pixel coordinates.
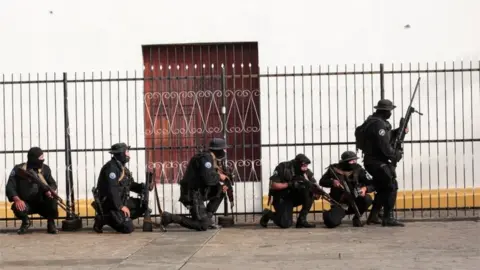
(184, 96)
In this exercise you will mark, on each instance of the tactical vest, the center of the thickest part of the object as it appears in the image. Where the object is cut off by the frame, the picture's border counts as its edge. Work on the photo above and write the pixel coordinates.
(351, 177)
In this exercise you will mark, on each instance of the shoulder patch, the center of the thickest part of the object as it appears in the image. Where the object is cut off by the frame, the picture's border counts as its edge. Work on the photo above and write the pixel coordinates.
(12, 173)
(112, 175)
(381, 132)
(275, 172)
(208, 165)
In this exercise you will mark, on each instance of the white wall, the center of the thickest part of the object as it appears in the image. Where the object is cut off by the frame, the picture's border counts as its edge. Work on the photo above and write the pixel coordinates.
(107, 35)
(93, 36)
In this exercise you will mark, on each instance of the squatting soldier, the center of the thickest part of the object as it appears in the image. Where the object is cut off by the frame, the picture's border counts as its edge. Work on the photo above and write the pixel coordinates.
(358, 183)
(378, 157)
(200, 183)
(288, 192)
(113, 203)
(28, 197)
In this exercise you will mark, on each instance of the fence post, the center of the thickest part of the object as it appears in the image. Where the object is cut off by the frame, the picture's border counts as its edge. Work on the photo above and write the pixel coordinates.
(382, 82)
(224, 124)
(68, 152)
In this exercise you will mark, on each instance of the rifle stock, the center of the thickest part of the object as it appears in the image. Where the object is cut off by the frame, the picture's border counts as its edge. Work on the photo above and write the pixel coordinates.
(147, 220)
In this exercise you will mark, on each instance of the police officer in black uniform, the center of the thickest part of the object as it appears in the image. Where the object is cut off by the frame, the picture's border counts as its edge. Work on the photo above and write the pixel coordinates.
(26, 195)
(378, 157)
(117, 209)
(200, 183)
(358, 182)
(288, 192)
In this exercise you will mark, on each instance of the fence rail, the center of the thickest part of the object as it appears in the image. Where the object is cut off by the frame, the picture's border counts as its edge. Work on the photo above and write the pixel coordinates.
(168, 113)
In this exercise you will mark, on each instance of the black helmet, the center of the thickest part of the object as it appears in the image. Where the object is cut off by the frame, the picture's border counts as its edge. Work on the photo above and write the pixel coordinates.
(385, 105)
(347, 156)
(217, 144)
(119, 148)
(302, 159)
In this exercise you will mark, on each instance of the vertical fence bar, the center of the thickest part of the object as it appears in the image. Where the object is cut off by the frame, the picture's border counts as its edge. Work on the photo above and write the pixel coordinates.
(224, 125)
(68, 151)
(382, 82)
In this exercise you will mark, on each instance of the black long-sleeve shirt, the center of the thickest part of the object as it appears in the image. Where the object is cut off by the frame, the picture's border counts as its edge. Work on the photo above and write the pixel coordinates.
(25, 189)
(114, 182)
(379, 136)
(356, 178)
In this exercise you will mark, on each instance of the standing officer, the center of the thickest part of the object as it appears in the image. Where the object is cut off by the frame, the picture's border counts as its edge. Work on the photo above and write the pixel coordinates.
(27, 196)
(357, 180)
(288, 192)
(113, 203)
(378, 157)
(200, 183)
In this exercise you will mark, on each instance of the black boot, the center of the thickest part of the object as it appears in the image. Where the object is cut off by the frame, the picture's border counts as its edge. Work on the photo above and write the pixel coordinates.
(167, 218)
(302, 223)
(267, 214)
(357, 222)
(212, 225)
(390, 221)
(51, 227)
(98, 224)
(373, 216)
(24, 227)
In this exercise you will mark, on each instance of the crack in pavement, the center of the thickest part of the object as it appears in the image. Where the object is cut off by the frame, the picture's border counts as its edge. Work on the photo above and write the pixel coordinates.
(200, 248)
(133, 253)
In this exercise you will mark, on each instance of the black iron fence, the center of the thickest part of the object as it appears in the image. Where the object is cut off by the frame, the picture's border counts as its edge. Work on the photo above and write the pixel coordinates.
(168, 113)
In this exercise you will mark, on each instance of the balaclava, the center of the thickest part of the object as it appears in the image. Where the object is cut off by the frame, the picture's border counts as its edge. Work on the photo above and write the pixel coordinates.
(35, 158)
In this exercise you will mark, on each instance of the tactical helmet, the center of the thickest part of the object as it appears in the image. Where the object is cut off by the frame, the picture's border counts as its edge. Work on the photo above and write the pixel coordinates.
(217, 144)
(119, 148)
(348, 155)
(385, 105)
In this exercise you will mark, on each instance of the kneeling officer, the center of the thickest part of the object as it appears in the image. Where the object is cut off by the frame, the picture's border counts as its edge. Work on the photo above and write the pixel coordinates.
(359, 184)
(289, 190)
(113, 203)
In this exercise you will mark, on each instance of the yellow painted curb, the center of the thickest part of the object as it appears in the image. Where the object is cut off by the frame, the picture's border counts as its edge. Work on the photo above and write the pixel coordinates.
(418, 199)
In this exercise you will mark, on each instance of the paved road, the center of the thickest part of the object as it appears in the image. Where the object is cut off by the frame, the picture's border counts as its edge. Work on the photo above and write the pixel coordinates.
(420, 245)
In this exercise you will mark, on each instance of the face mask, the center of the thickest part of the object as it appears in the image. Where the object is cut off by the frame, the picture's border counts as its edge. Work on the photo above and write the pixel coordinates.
(388, 114)
(122, 157)
(34, 160)
(219, 154)
(345, 166)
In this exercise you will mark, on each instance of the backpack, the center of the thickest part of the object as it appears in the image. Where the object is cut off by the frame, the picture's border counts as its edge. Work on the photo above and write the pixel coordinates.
(360, 131)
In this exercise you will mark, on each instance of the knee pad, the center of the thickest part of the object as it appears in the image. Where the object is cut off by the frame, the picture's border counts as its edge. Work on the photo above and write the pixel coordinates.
(333, 217)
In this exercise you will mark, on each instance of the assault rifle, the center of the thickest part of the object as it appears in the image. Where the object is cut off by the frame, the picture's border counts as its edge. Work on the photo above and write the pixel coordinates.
(147, 220)
(32, 176)
(221, 168)
(400, 136)
(317, 190)
(351, 195)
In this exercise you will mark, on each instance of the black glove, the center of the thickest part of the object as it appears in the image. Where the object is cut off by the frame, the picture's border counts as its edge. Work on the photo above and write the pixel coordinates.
(398, 155)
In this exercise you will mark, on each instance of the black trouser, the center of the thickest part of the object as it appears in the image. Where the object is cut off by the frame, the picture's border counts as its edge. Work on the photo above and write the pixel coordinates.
(201, 214)
(117, 219)
(47, 208)
(283, 216)
(385, 183)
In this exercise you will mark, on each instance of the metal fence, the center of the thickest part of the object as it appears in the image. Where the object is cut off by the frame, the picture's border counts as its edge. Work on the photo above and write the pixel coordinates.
(168, 113)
